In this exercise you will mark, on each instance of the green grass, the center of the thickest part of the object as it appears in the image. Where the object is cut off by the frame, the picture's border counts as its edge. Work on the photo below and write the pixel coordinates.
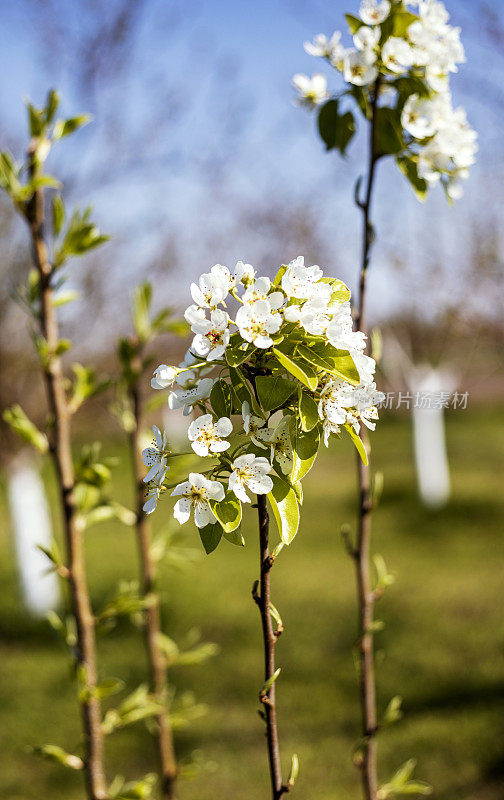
(441, 649)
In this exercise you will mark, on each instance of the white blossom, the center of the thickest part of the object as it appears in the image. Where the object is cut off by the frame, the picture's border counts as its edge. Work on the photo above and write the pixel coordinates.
(207, 436)
(312, 91)
(164, 376)
(397, 54)
(151, 498)
(195, 495)
(418, 117)
(212, 288)
(258, 290)
(250, 472)
(322, 47)
(192, 390)
(256, 322)
(251, 423)
(280, 444)
(343, 404)
(359, 67)
(374, 12)
(212, 336)
(244, 273)
(299, 281)
(366, 38)
(155, 457)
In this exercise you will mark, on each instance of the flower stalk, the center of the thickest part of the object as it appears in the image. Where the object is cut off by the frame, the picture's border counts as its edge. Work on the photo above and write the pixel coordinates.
(60, 448)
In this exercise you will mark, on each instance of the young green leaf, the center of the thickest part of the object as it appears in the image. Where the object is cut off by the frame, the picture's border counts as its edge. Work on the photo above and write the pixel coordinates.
(305, 445)
(24, 428)
(140, 308)
(308, 411)
(302, 372)
(285, 508)
(359, 444)
(354, 23)
(228, 511)
(52, 752)
(67, 126)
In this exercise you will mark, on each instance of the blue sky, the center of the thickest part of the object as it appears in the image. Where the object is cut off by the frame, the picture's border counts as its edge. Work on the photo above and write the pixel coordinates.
(231, 61)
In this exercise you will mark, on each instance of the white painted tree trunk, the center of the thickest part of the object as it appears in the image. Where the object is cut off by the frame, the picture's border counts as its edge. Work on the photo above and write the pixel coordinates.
(431, 458)
(32, 526)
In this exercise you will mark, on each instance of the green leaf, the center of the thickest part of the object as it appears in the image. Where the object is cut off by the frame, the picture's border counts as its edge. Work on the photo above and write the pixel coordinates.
(277, 280)
(406, 86)
(354, 23)
(401, 21)
(336, 362)
(24, 428)
(238, 351)
(388, 138)
(340, 292)
(336, 130)
(243, 390)
(359, 444)
(221, 399)
(285, 508)
(305, 445)
(235, 537)
(409, 168)
(273, 391)
(361, 97)
(66, 127)
(308, 411)
(58, 214)
(303, 373)
(228, 511)
(140, 308)
(210, 536)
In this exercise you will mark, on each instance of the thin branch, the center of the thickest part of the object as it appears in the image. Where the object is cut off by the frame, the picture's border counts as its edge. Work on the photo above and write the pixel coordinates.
(366, 599)
(267, 697)
(62, 455)
(152, 614)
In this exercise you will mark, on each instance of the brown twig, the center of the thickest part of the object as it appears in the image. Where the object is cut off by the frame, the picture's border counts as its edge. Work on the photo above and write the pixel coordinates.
(366, 598)
(152, 614)
(262, 598)
(60, 447)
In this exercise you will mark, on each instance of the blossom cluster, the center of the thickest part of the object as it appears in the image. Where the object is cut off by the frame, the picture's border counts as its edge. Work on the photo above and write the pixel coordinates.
(406, 51)
(269, 381)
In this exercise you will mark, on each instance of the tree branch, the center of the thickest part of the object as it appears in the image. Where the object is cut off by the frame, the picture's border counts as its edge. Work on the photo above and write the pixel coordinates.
(152, 614)
(62, 455)
(367, 687)
(262, 599)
